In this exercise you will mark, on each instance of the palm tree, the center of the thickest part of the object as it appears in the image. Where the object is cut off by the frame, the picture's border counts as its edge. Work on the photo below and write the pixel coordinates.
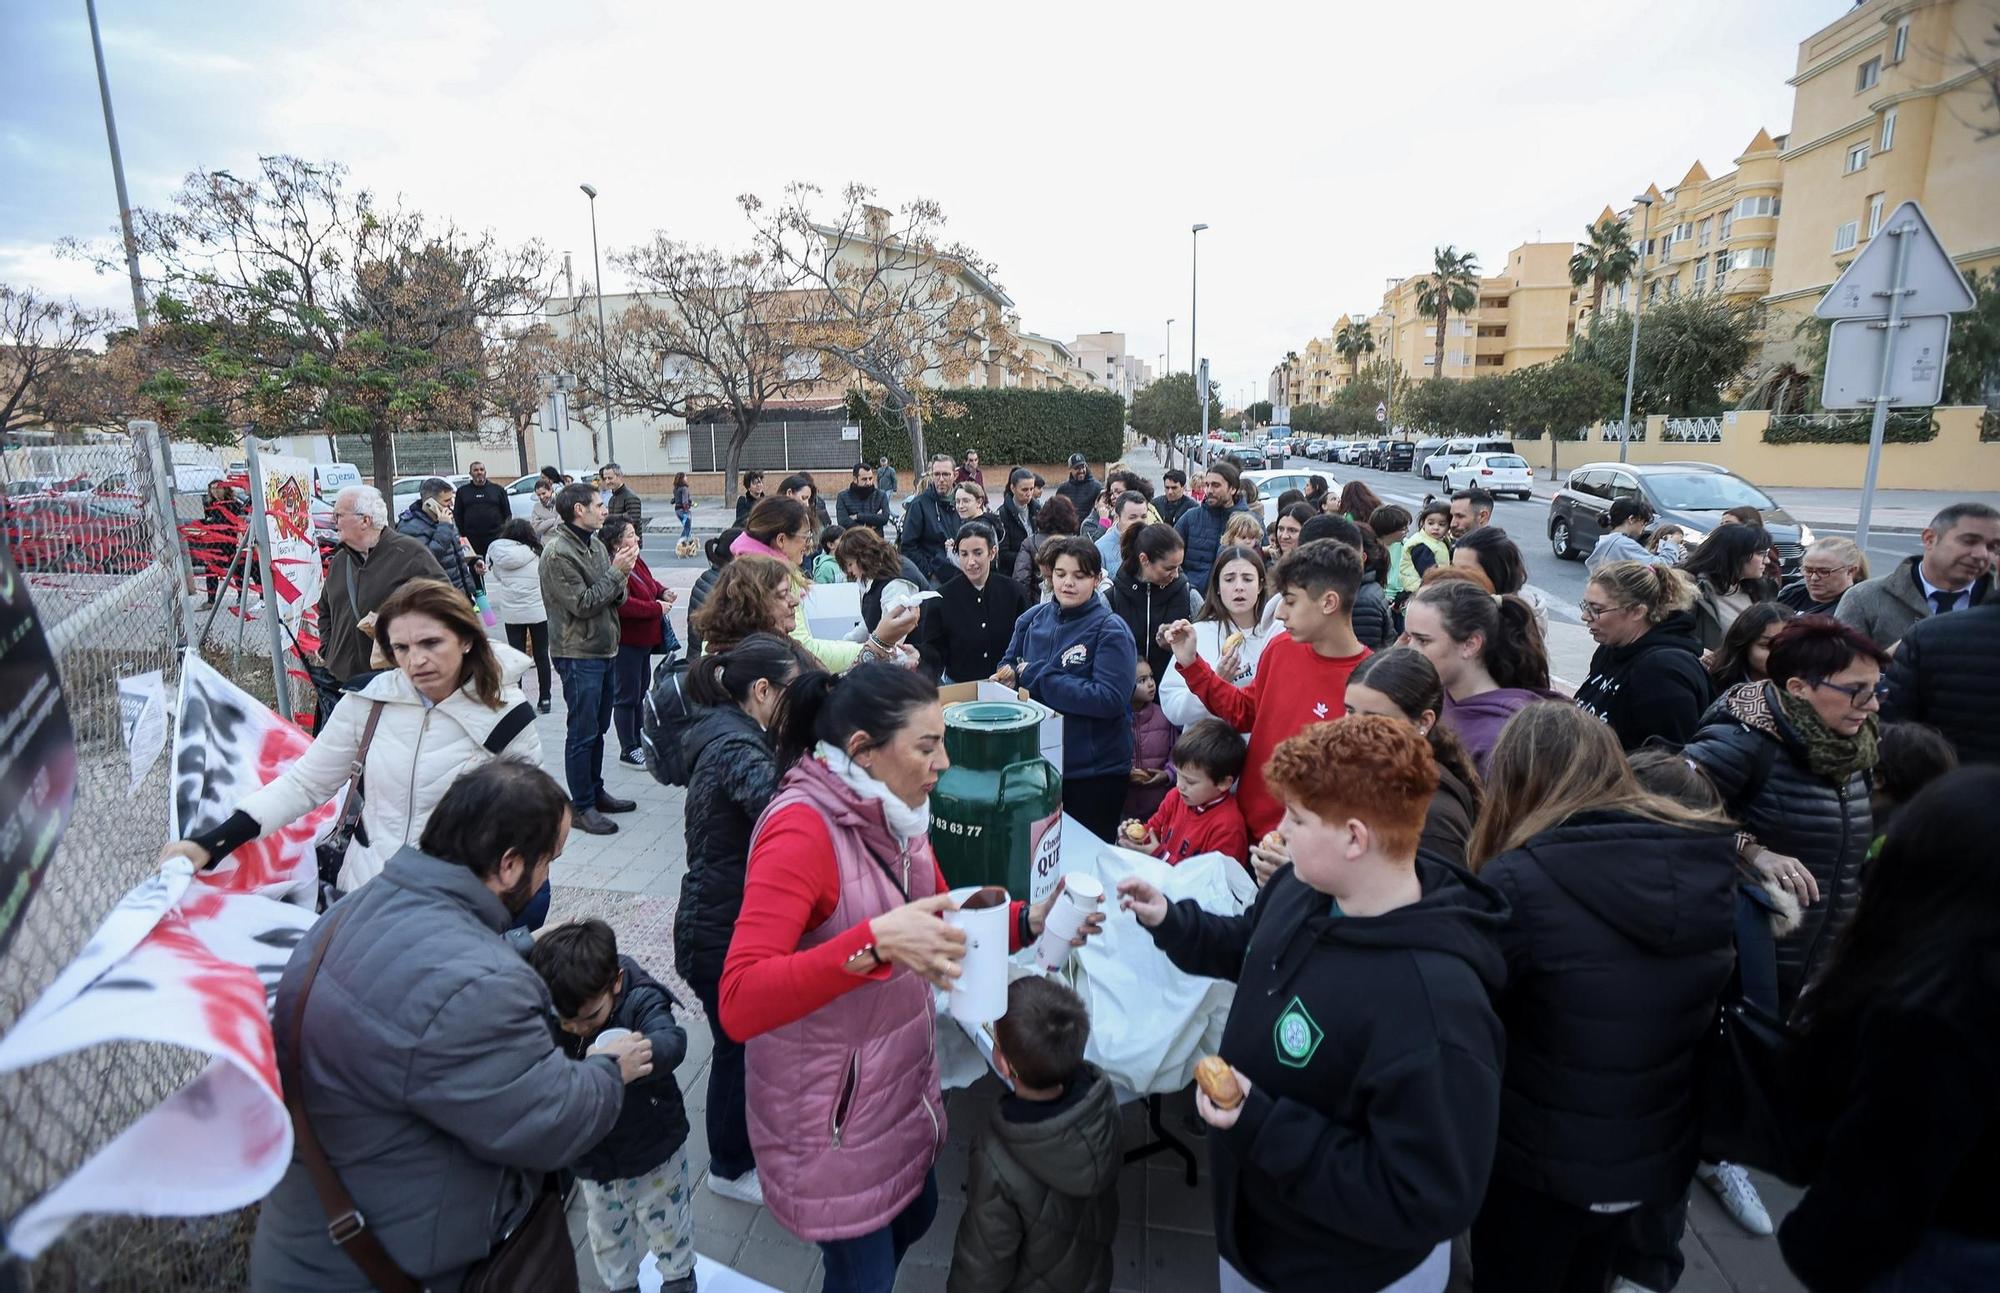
(1291, 369)
(1453, 284)
(1354, 341)
(1607, 259)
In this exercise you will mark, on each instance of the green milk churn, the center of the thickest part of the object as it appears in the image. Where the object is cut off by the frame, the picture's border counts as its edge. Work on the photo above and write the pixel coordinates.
(996, 813)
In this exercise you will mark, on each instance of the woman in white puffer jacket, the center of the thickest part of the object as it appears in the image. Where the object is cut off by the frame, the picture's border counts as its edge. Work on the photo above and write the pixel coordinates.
(514, 582)
(452, 687)
(1228, 633)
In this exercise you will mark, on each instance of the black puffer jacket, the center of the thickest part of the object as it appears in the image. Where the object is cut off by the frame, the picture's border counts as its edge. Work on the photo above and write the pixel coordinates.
(653, 1122)
(1621, 937)
(1448, 821)
(1372, 622)
(1145, 607)
(1654, 687)
(734, 773)
(703, 586)
(1757, 761)
(1946, 672)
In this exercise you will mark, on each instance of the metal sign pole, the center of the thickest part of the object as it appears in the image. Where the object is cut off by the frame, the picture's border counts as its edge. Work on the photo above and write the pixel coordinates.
(1879, 425)
(261, 534)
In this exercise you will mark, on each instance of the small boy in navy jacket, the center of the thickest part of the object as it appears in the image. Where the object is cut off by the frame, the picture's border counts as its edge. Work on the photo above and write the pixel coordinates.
(635, 1179)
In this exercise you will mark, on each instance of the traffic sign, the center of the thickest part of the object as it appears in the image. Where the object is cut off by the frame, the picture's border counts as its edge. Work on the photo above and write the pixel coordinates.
(1931, 283)
(1854, 362)
(1381, 412)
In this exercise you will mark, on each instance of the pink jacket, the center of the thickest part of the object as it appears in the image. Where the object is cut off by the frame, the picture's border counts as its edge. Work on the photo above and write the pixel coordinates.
(845, 1108)
(745, 546)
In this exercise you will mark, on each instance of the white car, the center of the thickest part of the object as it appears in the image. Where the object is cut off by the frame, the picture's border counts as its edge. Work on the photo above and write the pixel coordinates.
(1275, 481)
(1496, 473)
(521, 495)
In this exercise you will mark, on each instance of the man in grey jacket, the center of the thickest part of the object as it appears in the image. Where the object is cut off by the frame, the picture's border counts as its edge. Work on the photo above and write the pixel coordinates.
(425, 1063)
(582, 585)
(1954, 572)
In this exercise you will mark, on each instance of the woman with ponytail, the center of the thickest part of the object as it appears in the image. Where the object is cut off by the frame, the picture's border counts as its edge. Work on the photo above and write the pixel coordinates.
(1646, 679)
(733, 773)
(1401, 683)
(1488, 654)
(829, 974)
(1148, 591)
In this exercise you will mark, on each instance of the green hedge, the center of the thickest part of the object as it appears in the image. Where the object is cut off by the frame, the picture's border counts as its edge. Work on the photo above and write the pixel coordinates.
(1989, 425)
(1005, 426)
(1915, 427)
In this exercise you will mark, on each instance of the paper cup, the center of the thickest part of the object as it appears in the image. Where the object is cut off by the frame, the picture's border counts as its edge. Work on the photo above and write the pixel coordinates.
(606, 1037)
(979, 994)
(1082, 894)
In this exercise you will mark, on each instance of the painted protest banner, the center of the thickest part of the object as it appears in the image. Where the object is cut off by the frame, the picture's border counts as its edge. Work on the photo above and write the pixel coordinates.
(37, 750)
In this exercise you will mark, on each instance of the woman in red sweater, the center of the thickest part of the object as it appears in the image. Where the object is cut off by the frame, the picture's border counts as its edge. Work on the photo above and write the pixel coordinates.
(642, 630)
(829, 973)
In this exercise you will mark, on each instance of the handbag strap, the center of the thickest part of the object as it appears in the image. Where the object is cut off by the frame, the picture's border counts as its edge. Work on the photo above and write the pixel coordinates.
(511, 725)
(350, 809)
(345, 1226)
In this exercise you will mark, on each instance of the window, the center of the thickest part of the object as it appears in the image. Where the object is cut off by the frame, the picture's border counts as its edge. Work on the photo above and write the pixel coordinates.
(1752, 258)
(1874, 213)
(1845, 237)
(1700, 275)
(1749, 208)
(1869, 73)
(1857, 157)
(1652, 293)
(1430, 360)
(1701, 233)
(1888, 131)
(1684, 231)
(1902, 45)
(1673, 287)
(1723, 224)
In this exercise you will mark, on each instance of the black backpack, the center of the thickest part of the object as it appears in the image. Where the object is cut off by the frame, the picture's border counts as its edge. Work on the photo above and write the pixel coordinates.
(664, 721)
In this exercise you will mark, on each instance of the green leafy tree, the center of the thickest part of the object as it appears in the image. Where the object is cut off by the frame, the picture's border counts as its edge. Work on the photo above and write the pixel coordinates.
(1353, 341)
(1260, 413)
(1428, 406)
(1559, 399)
(1452, 284)
(1691, 348)
(1168, 411)
(1972, 367)
(1607, 257)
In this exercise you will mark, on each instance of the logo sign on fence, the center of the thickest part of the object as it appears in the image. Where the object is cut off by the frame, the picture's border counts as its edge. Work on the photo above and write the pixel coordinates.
(37, 750)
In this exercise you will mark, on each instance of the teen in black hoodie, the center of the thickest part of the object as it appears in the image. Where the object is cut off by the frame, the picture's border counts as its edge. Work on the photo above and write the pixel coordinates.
(1646, 678)
(1148, 592)
(1362, 1028)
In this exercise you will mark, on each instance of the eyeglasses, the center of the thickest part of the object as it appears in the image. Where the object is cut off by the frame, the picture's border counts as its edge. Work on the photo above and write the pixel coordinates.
(1858, 693)
(1591, 610)
(1823, 572)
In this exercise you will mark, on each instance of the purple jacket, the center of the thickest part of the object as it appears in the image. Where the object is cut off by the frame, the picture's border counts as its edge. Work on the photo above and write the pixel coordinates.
(1153, 740)
(846, 1115)
(1478, 721)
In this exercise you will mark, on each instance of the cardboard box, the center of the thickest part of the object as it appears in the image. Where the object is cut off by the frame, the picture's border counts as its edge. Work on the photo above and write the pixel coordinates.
(833, 611)
(1050, 732)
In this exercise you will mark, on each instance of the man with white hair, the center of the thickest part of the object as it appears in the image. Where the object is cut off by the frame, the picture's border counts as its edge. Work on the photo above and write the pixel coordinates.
(372, 561)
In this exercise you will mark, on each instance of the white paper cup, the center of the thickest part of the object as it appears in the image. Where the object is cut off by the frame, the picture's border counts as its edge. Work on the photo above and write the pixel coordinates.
(979, 994)
(606, 1037)
(1082, 894)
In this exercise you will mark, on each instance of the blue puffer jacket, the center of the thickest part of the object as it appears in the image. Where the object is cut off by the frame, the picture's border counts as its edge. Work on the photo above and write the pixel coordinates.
(1083, 664)
(1201, 529)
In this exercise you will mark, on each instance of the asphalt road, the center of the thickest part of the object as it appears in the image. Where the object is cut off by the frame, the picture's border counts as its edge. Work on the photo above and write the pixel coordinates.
(1528, 524)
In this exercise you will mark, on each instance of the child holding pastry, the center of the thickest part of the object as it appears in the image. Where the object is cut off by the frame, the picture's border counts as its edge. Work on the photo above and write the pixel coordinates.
(1200, 814)
(1355, 1102)
(1152, 746)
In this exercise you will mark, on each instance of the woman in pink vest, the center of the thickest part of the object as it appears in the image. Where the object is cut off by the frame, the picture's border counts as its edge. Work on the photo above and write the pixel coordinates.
(829, 973)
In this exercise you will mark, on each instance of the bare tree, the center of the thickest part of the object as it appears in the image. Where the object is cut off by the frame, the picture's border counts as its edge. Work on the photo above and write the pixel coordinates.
(321, 309)
(519, 362)
(883, 298)
(707, 332)
(45, 355)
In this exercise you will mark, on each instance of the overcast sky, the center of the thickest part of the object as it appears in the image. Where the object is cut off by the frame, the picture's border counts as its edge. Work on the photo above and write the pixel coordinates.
(1328, 149)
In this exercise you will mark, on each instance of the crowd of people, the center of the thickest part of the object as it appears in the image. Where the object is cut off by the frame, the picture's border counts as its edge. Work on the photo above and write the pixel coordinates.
(1493, 930)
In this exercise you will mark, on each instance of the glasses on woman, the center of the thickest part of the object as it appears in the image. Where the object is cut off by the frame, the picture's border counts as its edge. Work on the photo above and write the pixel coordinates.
(1858, 693)
(1823, 572)
(1591, 610)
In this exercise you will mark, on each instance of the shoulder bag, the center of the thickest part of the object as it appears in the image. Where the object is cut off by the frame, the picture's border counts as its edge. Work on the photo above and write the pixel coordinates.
(536, 1257)
(332, 848)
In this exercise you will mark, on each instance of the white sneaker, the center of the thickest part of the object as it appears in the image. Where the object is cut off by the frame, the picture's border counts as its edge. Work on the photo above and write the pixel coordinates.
(748, 1189)
(1732, 1186)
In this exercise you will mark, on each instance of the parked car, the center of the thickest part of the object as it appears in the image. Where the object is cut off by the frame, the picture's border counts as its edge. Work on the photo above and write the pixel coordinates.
(1273, 482)
(1426, 449)
(1496, 473)
(521, 494)
(1397, 456)
(1692, 495)
(1249, 457)
(403, 491)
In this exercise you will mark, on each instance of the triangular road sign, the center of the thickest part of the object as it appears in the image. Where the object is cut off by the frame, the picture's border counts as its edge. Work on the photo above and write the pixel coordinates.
(1932, 284)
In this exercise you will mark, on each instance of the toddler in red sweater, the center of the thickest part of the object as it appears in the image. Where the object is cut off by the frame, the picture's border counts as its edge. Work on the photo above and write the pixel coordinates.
(1200, 815)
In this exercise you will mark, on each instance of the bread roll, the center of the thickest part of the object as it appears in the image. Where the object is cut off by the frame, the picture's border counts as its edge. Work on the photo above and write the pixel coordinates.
(1218, 1082)
(1272, 842)
(1233, 641)
(1135, 831)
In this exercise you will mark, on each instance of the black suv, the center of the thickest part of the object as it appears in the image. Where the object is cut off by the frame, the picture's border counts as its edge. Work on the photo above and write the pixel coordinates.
(1397, 455)
(1692, 495)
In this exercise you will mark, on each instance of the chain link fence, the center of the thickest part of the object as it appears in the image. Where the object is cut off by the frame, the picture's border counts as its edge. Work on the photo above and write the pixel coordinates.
(93, 529)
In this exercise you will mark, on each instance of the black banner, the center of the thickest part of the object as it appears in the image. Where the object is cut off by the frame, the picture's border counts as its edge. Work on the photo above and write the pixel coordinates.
(37, 751)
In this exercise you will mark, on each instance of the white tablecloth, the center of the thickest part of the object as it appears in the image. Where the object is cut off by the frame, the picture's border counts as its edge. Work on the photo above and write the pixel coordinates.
(1149, 1022)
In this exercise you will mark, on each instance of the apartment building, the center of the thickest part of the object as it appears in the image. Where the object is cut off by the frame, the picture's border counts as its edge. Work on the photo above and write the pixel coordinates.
(1109, 365)
(1889, 103)
(1525, 314)
(1048, 364)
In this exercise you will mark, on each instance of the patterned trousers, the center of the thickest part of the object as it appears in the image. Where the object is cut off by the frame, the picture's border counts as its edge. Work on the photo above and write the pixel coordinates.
(654, 1211)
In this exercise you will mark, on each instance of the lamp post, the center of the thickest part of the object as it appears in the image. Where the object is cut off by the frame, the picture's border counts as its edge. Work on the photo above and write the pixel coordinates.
(1194, 337)
(1638, 302)
(1168, 360)
(603, 346)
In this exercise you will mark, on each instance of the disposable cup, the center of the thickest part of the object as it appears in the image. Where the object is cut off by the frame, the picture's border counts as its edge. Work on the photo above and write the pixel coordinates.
(979, 994)
(606, 1037)
(1082, 894)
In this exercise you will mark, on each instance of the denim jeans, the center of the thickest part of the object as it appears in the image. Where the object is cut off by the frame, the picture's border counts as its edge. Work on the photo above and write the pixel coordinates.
(587, 697)
(687, 525)
(631, 673)
(730, 1155)
(867, 1263)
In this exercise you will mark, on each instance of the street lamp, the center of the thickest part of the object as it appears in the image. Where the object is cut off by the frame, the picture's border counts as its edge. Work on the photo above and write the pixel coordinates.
(1168, 363)
(1194, 337)
(1638, 301)
(604, 348)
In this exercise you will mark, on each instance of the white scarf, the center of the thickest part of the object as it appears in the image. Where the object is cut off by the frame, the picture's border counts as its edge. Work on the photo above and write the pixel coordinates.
(905, 823)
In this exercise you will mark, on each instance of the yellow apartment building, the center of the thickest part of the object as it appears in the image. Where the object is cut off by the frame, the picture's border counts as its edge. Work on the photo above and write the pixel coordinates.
(1525, 315)
(1888, 104)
